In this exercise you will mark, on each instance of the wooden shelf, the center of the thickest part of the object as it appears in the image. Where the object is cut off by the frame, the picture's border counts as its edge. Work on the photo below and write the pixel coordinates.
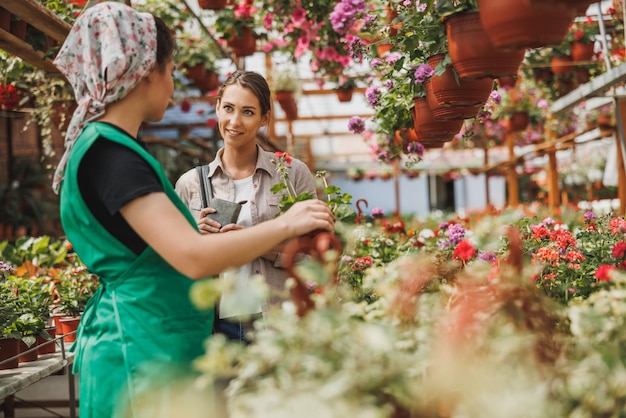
(15, 46)
(39, 17)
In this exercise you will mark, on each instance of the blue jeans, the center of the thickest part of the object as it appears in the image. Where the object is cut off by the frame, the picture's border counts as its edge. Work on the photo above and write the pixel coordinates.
(235, 328)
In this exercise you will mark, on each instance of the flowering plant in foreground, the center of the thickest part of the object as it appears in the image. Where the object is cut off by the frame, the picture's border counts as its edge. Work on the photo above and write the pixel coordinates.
(338, 201)
(577, 263)
(478, 345)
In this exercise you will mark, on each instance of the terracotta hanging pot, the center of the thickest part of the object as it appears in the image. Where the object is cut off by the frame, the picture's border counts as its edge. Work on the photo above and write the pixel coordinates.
(243, 44)
(427, 128)
(579, 6)
(209, 82)
(288, 103)
(515, 24)
(473, 54)
(582, 51)
(506, 82)
(9, 347)
(344, 95)
(195, 72)
(561, 64)
(518, 121)
(450, 98)
(212, 4)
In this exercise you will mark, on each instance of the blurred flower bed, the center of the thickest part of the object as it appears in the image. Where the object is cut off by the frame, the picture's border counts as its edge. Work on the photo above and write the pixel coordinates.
(446, 315)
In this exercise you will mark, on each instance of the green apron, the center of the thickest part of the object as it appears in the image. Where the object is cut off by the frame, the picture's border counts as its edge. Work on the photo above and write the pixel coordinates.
(140, 326)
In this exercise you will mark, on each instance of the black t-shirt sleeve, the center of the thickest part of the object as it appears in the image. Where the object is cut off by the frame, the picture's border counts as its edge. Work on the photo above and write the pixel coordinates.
(110, 176)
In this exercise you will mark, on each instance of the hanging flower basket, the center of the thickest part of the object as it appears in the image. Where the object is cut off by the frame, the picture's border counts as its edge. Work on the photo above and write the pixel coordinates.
(516, 24)
(212, 4)
(209, 82)
(430, 130)
(473, 54)
(288, 103)
(518, 121)
(243, 44)
(582, 51)
(452, 99)
(561, 64)
(344, 95)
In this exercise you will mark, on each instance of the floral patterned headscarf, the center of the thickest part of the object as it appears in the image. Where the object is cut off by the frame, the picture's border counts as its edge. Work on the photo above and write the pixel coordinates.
(109, 50)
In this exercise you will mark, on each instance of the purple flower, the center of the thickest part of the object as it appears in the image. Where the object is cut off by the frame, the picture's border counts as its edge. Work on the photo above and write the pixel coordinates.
(378, 213)
(6, 267)
(415, 148)
(422, 72)
(392, 58)
(371, 93)
(455, 233)
(375, 62)
(487, 256)
(356, 124)
(588, 215)
(388, 84)
(495, 96)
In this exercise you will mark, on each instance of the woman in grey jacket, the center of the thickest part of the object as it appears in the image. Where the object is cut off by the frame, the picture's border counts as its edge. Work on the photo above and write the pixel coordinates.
(243, 171)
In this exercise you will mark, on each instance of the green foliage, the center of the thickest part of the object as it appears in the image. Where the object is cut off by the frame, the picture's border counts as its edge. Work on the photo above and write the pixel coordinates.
(42, 251)
(74, 288)
(449, 7)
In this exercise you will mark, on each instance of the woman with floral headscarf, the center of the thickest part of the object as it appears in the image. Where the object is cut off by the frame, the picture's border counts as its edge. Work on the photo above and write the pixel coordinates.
(128, 225)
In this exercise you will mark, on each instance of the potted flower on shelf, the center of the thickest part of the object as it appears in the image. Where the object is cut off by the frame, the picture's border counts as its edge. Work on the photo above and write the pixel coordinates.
(32, 308)
(198, 57)
(287, 87)
(522, 106)
(73, 288)
(581, 39)
(240, 26)
(345, 88)
(9, 342)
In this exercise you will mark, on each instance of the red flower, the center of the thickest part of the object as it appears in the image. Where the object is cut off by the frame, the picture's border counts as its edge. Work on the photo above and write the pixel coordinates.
(287, 157)
(211, 123)
(619, 249)
(579, 34)
(604, 272)
(185, 106)
(464, 250)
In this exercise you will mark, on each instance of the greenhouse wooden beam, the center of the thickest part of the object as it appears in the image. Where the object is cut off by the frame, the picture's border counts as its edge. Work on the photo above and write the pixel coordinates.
(593, 88)
(38, 16)
(15, 46)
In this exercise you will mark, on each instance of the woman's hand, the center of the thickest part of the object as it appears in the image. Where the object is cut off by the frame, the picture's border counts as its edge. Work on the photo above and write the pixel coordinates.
(208, 225)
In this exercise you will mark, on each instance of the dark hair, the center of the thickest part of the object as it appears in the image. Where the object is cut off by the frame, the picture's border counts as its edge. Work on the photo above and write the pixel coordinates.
(253, 81)
(166, 47)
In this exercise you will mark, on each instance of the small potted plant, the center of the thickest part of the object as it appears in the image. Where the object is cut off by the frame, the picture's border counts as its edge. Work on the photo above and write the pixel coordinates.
(198, 58)
(287, 87)
(9, 342)
(240, 26)
(73, 288)
(345, 88)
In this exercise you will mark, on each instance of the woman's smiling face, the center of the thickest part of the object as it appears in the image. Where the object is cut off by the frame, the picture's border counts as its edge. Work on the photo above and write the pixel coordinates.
(239, 115)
